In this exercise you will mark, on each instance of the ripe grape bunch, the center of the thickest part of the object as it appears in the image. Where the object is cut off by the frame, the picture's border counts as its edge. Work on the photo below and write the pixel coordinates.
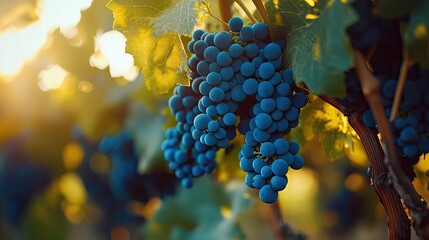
(237, 82)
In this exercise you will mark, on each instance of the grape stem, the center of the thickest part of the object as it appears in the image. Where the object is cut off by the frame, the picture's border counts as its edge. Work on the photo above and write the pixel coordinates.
(400, 88)
(246, 10)
(261, 9)
(412, 201)
(225, 12)
(210, 13)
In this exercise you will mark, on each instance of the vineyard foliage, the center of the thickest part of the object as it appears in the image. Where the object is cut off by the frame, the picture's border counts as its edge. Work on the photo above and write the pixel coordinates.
(89, 153)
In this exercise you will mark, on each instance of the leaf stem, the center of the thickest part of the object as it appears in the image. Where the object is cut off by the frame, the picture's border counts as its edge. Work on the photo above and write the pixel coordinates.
(261, 9)
(246, 10)
(399, 89)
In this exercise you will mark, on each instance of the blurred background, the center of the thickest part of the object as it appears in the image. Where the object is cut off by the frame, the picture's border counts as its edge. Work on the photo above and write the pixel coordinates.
(80, 154)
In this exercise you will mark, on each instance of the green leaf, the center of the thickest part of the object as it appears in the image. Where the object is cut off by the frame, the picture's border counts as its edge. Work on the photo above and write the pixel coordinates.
(286, 16)
(162, 59)
(395, 8)
(148, 135)
(417, 35)
(180, 18)
(206, 211)
(322, 122)
(319, 53)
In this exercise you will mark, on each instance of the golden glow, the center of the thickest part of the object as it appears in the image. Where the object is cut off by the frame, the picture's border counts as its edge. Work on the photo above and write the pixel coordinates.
(304, 184)
(310, 16)
(422, 165)
(421, 31)
(147, 210)
(85, 86)
(357, 154)
(52, 77)
(354, 182)
(72, 156)
(110, 51)
(19, 45)
(311, 3)
(301, 190)
(72, 188)
(225, 212)
(74, 213)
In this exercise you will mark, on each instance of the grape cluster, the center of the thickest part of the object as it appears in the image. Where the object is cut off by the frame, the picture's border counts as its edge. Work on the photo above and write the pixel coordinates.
(380, 39)
(231, 73)
(411, 127)
(266, 155)
(20, 181)
(112, 190)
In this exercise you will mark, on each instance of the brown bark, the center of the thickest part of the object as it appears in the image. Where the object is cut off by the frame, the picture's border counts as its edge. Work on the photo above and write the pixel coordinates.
(397, 221)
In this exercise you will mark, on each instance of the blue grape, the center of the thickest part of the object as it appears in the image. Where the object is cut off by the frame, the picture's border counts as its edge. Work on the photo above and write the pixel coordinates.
(278, 183)
(247, 33)
(267, 194)
(235, 24)
(272, 51)
(222, 40)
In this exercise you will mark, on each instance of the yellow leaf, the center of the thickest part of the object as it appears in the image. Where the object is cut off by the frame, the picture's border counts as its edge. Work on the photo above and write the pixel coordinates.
(162, 59)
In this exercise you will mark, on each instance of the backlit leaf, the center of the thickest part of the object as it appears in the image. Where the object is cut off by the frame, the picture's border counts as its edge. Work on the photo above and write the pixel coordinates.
(320, 52)
(180, 18)
(163, 58)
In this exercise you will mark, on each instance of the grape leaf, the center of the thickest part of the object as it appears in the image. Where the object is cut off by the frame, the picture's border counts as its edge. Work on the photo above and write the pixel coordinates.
(320, 52)
(286, 16)
(180, 18)
(206, 211)
(162, 59)
(417, 35)
(322, 122)
(130, 11)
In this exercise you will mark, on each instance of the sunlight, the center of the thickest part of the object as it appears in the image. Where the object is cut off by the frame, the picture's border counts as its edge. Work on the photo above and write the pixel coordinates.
(110, 51)
(52, 77)
(72, 188)
(65, 13)
(19, 45)
(311, 3)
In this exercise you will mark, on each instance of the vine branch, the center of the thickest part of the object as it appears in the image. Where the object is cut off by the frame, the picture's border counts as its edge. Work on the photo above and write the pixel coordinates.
(397, 221)
(412, 201)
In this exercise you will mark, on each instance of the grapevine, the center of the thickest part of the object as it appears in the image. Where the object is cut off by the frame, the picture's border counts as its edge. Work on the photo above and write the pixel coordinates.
(214, 119)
